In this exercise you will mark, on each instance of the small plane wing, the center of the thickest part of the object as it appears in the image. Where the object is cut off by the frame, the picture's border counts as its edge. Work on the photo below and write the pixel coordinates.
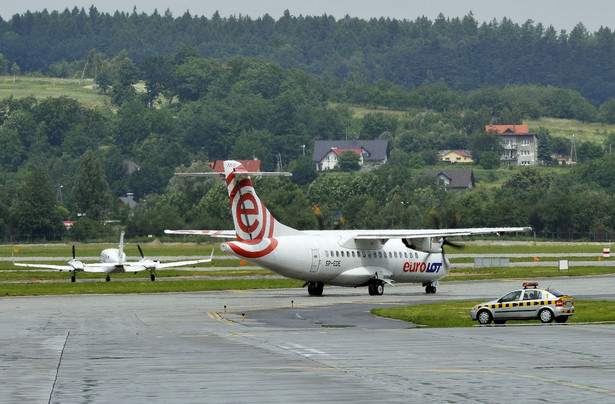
(211, 233)
(151, 264)
(46, 266)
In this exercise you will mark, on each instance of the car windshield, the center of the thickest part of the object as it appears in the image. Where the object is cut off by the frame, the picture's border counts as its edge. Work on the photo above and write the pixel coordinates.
(555, 292)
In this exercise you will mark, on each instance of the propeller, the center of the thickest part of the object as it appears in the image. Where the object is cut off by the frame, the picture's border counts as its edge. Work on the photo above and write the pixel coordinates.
(445, 241)
(147, 263)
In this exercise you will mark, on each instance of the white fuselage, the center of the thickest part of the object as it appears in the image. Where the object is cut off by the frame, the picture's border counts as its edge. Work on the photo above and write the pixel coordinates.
(319, 257)
(112, 256)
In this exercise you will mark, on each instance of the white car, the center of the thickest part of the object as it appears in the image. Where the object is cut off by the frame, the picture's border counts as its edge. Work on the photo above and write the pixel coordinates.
(528, 303)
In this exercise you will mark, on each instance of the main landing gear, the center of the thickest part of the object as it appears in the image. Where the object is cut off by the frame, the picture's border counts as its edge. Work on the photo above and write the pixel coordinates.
(315, 288)
(375, 288)
(430, 287)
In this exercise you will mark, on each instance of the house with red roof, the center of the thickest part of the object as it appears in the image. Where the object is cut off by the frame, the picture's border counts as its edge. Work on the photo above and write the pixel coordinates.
(371, 152)
(520, 145)
(455, 156)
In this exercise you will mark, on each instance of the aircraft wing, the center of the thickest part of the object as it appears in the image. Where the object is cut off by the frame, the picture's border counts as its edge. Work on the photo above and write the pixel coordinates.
(211, 233)
(151, 264)
(46, 266)
(389, 234)
(382, 236)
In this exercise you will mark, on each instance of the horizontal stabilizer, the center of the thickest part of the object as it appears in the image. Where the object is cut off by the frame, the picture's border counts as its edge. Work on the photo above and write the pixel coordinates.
(210, 233)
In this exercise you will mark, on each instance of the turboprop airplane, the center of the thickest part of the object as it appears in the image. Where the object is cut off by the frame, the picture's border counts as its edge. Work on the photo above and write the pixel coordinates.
(113, 261)
(355, 258)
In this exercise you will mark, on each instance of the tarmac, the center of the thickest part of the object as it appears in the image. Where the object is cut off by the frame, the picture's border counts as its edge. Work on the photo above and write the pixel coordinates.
(281, 346)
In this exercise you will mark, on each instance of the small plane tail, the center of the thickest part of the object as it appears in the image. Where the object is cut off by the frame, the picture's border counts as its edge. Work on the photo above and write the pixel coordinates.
(121, 247)
(252, 219)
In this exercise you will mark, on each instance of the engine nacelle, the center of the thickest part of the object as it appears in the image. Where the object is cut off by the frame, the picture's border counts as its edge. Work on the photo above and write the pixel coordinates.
(425, 244)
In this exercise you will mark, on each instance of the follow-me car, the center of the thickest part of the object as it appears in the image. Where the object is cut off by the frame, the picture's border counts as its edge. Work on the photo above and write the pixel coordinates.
(526, 304)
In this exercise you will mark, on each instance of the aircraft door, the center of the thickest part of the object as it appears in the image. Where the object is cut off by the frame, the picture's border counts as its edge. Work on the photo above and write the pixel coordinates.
(315, 261)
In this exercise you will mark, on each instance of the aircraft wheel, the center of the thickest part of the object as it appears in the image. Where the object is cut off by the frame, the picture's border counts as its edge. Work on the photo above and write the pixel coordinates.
(430, 289)
(375, 289)
(108, 278)
(72, 278)
(315, 288)
(152, 277)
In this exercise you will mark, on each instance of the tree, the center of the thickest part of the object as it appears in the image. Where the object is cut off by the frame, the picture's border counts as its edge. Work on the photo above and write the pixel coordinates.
(91, 194)
(607, 111)
(4, 65)
(36, 212)
(349, 161)
(125, 77)
(16, 70)
(303, 170)
(104, 79)
(482, 142)
(490, 160)
(544, 146)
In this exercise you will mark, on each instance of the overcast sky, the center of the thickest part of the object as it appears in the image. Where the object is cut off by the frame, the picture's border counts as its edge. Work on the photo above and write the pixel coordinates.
(562, 14)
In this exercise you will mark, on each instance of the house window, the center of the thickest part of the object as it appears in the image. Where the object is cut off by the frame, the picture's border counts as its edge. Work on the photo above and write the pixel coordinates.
(525, 142)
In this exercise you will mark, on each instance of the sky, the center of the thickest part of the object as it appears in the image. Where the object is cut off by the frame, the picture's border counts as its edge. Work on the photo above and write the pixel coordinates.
(561, 14)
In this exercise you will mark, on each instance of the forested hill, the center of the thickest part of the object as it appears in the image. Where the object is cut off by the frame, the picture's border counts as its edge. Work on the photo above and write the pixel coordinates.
(462, 52)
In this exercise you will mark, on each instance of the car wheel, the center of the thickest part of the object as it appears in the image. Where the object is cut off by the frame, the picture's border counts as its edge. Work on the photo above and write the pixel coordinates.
(561, 319)
(484, 317)
(545, 315)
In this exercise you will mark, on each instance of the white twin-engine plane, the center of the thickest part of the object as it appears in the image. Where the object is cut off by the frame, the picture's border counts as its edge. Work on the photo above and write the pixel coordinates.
(353, 258)
(113, 261)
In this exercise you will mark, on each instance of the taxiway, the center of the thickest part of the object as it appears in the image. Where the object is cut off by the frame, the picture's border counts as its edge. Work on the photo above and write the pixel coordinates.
(281, 346)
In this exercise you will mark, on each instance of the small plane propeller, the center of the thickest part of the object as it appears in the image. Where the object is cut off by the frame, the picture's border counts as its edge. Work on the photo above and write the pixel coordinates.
(147, 263)
(75, 264)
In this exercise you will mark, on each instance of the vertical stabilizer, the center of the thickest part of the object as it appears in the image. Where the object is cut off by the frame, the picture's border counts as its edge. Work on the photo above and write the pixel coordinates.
(251, 218)
(121, 248)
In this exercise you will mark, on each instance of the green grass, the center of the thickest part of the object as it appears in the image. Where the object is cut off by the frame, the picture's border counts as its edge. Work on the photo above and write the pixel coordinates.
(146, 286)
(42, 87)
(457, 314)
(583, 131)
(527, 273)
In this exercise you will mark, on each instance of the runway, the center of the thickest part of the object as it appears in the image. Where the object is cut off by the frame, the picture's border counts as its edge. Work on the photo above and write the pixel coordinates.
(281, 346)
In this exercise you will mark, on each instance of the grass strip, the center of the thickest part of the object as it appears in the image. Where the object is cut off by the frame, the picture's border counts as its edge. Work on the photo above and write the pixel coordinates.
(145, 286)
(457, 314)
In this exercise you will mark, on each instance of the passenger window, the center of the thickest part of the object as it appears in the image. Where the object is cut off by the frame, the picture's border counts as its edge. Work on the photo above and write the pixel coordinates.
(390, 254)
(416, 255)
(363, 253)
(532, 295)
(405, 255)
(379, 254)
(395, 254)
(337, 254)
(326, 253)
(369, 254)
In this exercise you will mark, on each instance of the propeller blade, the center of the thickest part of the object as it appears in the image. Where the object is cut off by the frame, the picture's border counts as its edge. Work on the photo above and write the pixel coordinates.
(140, 251)
(73, 251)
(457, 246)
